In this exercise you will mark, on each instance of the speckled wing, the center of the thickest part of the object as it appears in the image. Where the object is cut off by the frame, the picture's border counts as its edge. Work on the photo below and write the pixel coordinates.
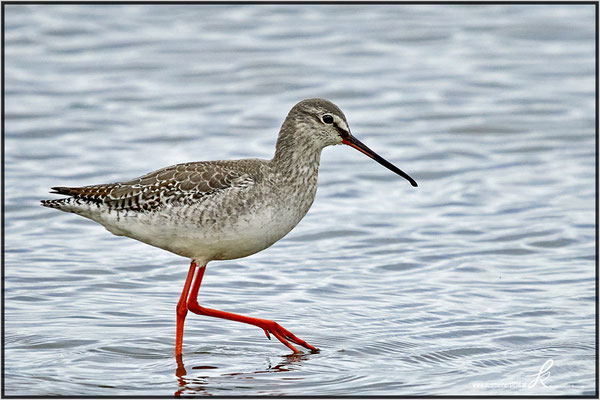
(178, 184)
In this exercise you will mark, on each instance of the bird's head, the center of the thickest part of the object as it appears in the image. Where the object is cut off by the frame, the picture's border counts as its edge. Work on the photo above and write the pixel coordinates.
(321, 123)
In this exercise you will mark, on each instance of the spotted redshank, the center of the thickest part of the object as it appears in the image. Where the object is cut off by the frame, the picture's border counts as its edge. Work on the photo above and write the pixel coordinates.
(223, 210)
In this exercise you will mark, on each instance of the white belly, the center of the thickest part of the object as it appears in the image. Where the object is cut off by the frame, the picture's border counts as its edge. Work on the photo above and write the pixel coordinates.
(227, 238)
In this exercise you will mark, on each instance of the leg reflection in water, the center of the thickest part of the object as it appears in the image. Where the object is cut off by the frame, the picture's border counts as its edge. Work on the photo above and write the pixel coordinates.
(199, 384)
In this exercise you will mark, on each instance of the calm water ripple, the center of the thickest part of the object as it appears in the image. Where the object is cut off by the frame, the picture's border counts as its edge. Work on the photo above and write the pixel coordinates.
(477, 282)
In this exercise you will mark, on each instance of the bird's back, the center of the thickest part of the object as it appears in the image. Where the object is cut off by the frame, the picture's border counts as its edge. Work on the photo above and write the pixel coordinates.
(178, 184)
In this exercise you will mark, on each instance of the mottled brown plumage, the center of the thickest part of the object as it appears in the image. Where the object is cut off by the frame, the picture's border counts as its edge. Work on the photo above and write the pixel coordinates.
(177, 184)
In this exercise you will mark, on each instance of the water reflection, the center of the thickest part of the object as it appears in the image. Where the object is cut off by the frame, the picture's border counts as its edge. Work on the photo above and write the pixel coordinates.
(198, 384)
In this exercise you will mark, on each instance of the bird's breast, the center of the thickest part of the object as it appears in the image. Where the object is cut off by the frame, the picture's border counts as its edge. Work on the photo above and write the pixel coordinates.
(262, 221)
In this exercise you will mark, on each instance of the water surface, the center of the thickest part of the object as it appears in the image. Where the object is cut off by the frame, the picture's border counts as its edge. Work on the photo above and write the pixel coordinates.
(480, 281)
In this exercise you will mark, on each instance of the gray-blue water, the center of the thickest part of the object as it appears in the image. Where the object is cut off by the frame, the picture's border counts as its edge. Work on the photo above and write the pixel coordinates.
(480, 281)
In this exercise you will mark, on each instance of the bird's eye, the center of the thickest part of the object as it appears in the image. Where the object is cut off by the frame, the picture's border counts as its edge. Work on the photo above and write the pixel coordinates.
(328, 119)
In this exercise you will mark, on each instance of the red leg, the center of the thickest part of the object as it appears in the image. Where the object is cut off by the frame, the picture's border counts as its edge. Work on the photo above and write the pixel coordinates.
(267, 325)
(182, 309)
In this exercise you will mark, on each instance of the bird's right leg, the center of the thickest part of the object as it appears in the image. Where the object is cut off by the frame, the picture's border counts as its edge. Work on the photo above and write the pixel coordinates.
(182, 309)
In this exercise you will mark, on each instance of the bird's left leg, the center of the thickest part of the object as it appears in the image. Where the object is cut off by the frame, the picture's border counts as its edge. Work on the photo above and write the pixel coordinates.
(267, 325)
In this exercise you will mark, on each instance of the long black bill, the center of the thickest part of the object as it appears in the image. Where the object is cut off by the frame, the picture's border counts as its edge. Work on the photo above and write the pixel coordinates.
(358, 145)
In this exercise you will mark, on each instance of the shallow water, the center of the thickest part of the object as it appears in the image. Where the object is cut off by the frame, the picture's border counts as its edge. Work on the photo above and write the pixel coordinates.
(480, 281)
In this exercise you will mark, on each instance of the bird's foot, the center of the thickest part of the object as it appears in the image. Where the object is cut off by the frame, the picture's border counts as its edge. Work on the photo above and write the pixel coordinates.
(285, 336)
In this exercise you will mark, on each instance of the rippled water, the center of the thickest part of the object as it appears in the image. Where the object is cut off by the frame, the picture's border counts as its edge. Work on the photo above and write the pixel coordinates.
(479, 281)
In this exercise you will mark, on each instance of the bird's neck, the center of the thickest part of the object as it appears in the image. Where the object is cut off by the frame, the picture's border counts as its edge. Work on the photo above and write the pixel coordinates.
(296, 157)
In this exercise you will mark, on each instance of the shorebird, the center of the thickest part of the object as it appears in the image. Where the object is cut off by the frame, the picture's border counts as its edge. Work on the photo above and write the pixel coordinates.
(223, 210)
